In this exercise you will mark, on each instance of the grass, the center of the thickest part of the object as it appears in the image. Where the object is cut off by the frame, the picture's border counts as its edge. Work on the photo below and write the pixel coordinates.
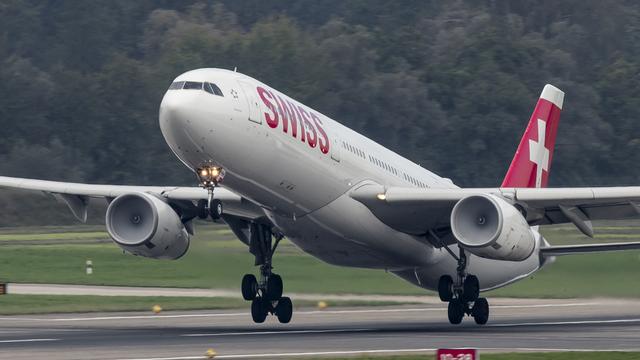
(55, 236)
(14, 304)
(604, 274)
(44, 304)
(596, 355)
(217, 260)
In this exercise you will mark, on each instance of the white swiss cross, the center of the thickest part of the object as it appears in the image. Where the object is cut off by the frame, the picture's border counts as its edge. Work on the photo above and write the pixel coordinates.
(538, 153)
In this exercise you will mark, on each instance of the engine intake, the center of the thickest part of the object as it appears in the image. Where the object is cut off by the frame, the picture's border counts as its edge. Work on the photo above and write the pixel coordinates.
(491, 228)
(145, 225)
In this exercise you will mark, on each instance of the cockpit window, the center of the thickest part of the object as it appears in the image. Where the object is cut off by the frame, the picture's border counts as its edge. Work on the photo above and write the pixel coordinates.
(176, 85)
(192, 85)
(212, 89)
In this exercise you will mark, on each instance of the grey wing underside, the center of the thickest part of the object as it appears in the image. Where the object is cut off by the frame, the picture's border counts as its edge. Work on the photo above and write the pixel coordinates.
(426, 212)
(77, 195)
(585, 249)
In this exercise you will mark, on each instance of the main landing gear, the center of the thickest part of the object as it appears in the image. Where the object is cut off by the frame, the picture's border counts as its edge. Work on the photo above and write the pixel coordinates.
(463, 295)
(265, 293)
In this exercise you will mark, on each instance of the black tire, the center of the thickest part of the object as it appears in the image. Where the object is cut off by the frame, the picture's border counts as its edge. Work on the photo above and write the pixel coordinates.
(202, 209)
(445, 288)
(471, 288)
(455, 311)
(249, 287)
(216, 209)
(274, 287)
(258, 310)
(480, 311)
(284, 310)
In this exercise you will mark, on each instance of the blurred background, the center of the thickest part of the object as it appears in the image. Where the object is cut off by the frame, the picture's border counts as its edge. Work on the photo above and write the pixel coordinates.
(450, 85)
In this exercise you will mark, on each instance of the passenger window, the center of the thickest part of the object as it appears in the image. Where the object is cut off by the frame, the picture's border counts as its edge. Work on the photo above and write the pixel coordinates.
(192, 85)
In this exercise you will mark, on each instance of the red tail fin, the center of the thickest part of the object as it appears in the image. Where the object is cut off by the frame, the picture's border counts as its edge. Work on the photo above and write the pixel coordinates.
(532, 162)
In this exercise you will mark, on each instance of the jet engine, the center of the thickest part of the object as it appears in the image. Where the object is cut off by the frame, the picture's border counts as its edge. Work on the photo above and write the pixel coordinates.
(145, 225)
(491, 228)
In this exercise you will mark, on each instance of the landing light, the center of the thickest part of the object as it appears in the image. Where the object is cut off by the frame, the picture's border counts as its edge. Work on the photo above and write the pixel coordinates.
(209, 175)
(382, 196)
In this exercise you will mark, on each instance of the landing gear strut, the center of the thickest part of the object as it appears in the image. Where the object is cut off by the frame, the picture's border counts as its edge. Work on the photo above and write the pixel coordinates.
(463, 294)
(209, 176)
(265, 293)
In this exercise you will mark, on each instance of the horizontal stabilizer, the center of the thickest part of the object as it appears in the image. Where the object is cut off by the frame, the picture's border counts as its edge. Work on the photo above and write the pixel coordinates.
(583, 249)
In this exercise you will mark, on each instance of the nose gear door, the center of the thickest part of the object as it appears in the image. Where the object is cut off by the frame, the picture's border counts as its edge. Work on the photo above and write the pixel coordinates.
(252, 101)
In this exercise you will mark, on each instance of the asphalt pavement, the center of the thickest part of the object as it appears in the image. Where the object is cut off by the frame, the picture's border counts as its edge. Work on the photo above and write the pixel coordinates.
(515, 325)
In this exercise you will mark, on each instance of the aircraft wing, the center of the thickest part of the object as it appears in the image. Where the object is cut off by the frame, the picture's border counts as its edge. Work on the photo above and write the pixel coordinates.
(419, 210)
(76, 195)
(584, 249)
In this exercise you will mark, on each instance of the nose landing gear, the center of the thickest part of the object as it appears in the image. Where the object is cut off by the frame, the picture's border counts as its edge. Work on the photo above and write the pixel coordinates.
(209, 177)
(463, 296)
(265, 294)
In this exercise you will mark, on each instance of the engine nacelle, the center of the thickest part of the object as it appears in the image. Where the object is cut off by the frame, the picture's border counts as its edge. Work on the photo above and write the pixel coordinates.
(491, 228)
(144, 225)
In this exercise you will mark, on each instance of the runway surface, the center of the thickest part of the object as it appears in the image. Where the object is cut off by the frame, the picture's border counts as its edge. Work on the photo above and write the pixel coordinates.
(515, 325)
(102, 290)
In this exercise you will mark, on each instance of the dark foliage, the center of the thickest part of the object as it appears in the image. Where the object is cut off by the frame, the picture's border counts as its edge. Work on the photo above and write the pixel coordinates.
(449, 84)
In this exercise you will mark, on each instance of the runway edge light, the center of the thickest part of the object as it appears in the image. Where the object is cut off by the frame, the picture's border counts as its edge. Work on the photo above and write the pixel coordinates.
(457, 354)
(210, 354)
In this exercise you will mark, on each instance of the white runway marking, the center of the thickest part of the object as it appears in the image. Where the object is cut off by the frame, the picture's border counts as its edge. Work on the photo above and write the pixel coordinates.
(310, 312)
(364, 352)
(291, 354)
(578, 322)
(26, 340)
(247, 333)
(283, 332)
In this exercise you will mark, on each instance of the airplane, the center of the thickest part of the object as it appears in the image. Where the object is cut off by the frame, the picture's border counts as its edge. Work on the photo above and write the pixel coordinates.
(270, 167)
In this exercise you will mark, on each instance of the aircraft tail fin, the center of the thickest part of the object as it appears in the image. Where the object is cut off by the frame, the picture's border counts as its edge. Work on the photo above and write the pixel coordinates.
(531, 163)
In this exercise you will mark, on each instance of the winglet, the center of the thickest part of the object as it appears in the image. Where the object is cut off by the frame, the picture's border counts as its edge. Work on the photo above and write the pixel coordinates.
(532, 161)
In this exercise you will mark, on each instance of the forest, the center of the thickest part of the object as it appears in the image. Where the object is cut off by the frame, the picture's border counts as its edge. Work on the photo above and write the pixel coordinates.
(448, 84)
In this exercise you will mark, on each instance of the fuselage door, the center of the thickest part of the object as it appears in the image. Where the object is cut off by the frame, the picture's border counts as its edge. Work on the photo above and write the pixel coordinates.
(252, 101)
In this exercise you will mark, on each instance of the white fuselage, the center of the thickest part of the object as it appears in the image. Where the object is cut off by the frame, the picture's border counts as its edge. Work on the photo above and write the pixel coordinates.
(303, 182)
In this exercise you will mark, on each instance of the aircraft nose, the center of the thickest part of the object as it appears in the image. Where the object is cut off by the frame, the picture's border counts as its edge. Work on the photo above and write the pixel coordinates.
(178, 114)
(173, 108)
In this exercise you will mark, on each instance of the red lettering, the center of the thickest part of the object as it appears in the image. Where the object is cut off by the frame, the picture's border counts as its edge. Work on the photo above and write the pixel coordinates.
(287, 115)
(324, 143)
(312, 141)
(272, 120)
(295, 108)
(311, 130)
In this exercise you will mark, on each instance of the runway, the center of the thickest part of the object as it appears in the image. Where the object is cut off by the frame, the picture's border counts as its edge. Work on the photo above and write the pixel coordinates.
(515, 325)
